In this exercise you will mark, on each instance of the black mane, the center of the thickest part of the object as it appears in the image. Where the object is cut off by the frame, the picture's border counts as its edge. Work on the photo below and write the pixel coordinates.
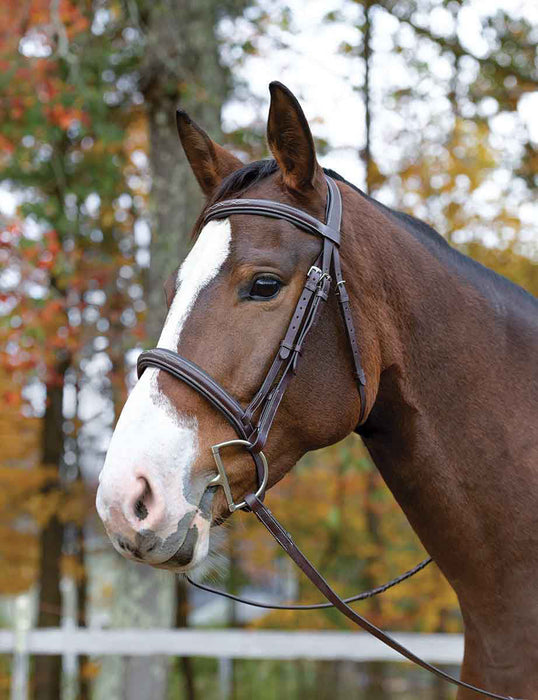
(490, 283)
(247, 176)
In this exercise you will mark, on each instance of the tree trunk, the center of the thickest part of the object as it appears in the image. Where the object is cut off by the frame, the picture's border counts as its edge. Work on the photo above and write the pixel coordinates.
(375, 669)
(182, 69)
(48, 669)
(366, 55)
(185, 666)
(82, 600)
(233, 586)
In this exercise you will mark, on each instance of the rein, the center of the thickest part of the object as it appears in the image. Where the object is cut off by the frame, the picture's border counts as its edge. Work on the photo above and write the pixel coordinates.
(252, 433)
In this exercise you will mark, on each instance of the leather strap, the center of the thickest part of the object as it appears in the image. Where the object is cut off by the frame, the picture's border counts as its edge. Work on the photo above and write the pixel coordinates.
(189, 372)
(276, 210)
(285, 540)
(345, 309)
(314, 606)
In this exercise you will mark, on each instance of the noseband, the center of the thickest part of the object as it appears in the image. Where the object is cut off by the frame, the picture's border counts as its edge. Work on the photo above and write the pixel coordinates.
(253, 432)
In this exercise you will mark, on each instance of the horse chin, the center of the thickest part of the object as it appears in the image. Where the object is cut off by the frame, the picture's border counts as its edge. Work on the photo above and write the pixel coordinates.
(193, 550)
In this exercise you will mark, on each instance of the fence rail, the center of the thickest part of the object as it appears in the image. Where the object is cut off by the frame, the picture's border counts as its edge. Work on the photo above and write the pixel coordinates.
(237, 644)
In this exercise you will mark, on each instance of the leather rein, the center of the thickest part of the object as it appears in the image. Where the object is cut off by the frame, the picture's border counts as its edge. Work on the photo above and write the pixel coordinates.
(253, 432)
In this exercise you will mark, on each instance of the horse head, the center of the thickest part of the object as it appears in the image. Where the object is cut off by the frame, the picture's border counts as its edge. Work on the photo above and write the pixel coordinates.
(229, 305)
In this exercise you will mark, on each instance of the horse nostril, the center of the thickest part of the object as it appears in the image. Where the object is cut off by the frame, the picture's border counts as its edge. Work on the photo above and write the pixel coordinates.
(144, 499)
(140, 510)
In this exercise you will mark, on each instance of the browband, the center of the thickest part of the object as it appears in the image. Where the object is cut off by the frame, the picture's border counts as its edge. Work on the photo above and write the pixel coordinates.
(275, 210)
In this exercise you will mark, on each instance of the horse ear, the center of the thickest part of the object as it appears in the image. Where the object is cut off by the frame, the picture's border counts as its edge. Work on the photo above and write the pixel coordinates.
(290, 140)
(210, 162)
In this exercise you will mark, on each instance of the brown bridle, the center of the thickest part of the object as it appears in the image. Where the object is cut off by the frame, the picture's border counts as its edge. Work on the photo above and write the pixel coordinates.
(253, 433)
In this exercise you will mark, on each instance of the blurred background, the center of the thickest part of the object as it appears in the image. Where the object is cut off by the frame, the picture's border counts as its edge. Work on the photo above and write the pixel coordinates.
(431, 106)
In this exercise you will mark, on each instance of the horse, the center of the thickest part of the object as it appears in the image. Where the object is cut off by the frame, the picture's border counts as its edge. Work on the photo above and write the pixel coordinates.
(448, 408)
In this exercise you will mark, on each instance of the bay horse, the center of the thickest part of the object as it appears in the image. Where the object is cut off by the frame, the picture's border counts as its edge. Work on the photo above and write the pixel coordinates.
(448, 408)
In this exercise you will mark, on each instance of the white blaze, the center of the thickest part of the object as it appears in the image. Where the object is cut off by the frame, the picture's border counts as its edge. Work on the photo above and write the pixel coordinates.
(152, 437)
(199, 268)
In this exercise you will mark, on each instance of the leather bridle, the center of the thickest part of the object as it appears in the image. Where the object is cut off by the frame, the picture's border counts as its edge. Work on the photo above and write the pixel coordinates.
(253, 423)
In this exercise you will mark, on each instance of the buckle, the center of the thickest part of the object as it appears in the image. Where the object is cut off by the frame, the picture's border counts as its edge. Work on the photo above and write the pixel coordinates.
(322, 275)
(341, 288)
(222, 480)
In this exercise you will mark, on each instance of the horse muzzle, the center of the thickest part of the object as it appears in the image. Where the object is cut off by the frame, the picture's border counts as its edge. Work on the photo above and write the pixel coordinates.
(140, 528)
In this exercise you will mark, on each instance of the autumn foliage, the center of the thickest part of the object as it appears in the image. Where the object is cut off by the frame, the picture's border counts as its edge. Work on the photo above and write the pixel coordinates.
(74, 145)
(69, 285)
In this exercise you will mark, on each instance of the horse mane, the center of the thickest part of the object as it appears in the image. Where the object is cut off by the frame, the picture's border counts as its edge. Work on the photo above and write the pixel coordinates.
(240, 180)
(488, 282)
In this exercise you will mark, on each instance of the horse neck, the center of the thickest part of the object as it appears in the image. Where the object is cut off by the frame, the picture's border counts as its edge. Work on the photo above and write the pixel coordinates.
(450, 426)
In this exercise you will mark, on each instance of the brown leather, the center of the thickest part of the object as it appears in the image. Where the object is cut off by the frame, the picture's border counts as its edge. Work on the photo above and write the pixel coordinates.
(267, 399)
(276, 210)
(315, 606)
(188, 372)
(285, 540)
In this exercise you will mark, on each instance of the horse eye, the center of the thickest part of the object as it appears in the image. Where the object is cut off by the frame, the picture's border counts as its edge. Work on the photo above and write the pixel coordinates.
(265, 288)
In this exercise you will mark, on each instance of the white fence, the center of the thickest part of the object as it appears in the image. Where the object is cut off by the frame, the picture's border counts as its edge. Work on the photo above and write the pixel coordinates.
(70, 642)
(236, 644)
(224, 645)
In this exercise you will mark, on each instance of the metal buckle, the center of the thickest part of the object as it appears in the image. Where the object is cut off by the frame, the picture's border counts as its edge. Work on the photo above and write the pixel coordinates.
(323, 275)
(222, 480)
